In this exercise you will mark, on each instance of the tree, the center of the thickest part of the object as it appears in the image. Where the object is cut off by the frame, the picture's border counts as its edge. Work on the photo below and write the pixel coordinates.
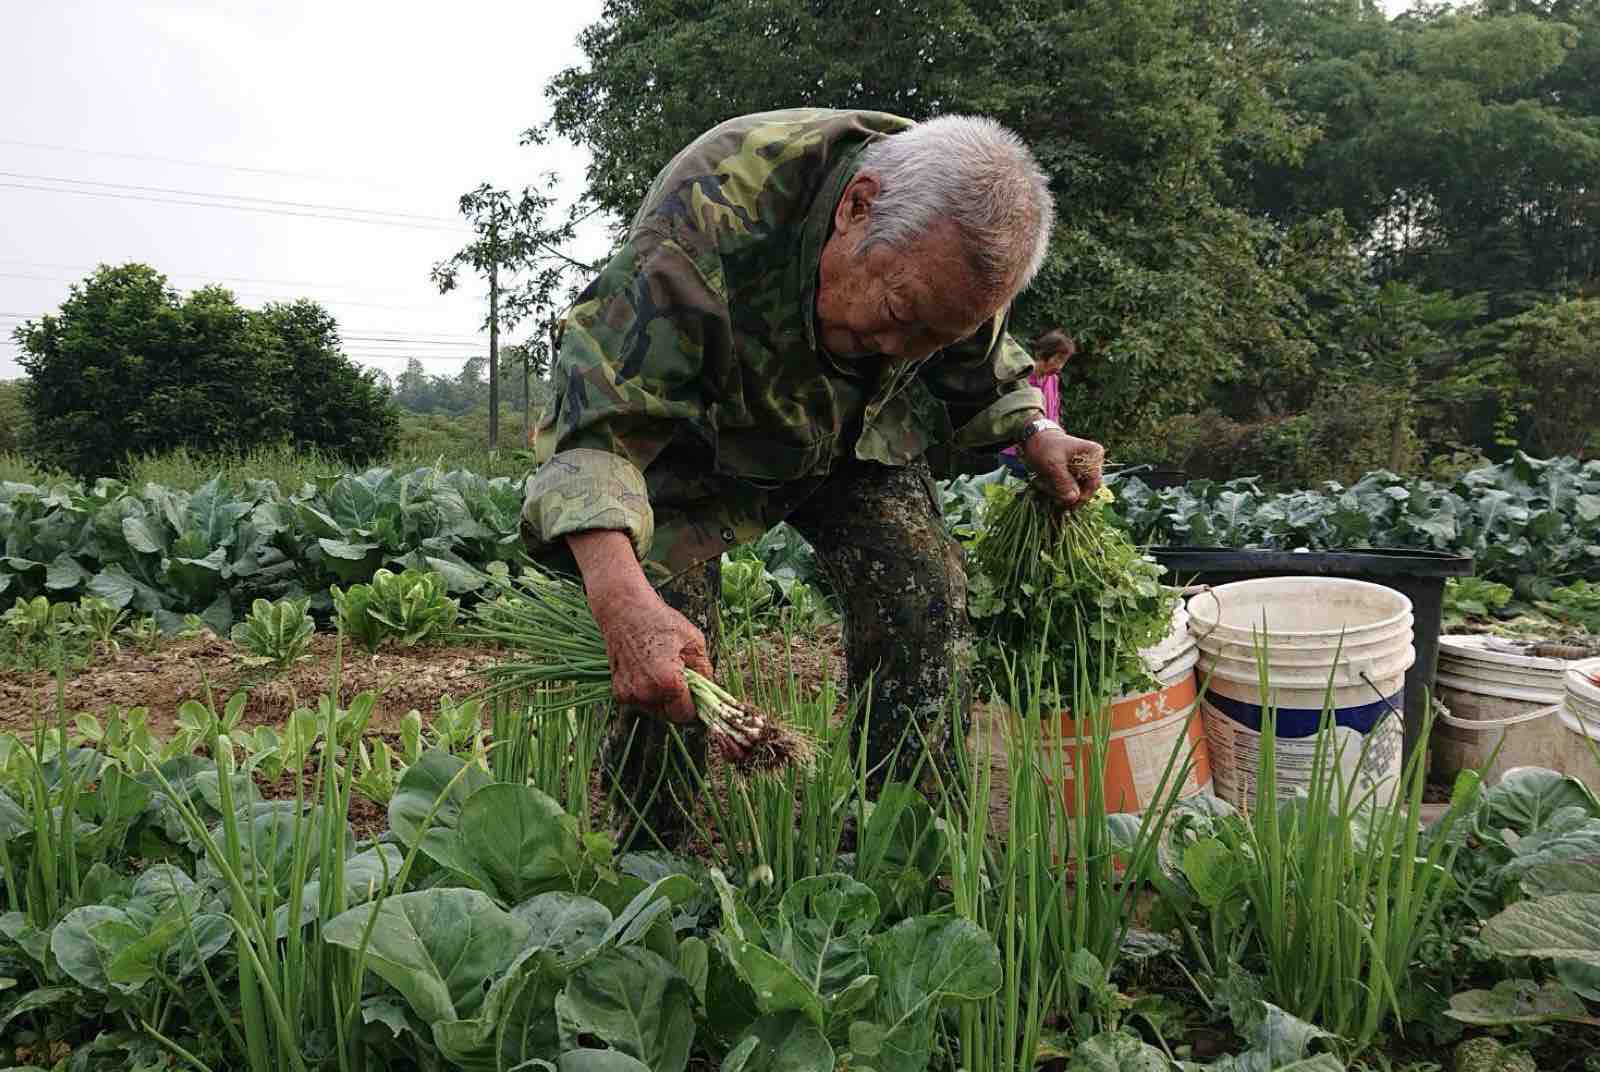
(334, 405)
(1462, 143)
(1134, 107)
(127, 367)
(1551, 375)
(518, 250)
(15, 425)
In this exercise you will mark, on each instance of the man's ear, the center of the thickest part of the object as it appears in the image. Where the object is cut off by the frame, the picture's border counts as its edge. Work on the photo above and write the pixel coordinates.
(855, 204)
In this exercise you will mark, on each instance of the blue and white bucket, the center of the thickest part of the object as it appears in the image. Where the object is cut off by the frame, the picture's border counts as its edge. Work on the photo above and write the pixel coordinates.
(1324, 638)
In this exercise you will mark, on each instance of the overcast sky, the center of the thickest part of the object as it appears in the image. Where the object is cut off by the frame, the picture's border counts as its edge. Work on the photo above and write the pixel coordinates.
(119, 109)
(392, 107)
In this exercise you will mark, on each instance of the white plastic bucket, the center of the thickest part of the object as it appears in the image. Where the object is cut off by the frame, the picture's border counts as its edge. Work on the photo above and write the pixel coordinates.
(1576, 758)
(1471, 666)
(1496, 700)
(1580, 681)
(1527, 738)
(1325, 639)
(1580, 718)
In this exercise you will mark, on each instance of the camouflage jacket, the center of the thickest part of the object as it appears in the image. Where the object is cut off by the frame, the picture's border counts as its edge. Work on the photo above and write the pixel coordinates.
(693, 407)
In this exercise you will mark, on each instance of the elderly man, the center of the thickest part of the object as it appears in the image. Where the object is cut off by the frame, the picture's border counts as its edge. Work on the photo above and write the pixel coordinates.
(805, 302)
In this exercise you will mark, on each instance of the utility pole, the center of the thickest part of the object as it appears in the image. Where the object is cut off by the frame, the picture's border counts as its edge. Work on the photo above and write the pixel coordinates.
(494, 332)
(527, 395)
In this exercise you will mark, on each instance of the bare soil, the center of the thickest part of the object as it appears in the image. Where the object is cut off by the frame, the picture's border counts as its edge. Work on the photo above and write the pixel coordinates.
(181, 670)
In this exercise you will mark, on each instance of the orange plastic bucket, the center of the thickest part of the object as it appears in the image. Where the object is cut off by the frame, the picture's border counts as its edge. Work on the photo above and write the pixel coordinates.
(1146, 729)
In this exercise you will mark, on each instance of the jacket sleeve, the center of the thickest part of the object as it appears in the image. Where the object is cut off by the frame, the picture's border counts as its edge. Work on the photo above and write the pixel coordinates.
(627, 383)
(983, 383)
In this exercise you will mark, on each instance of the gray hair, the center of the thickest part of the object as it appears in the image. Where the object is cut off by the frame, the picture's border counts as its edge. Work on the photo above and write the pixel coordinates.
(979, 175)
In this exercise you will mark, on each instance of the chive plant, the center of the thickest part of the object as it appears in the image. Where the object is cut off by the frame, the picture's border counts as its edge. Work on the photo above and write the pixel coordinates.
(1342, 889)
(544, 739)
(547, 618)
(1047, 880)
(296, 992)
(793, 824)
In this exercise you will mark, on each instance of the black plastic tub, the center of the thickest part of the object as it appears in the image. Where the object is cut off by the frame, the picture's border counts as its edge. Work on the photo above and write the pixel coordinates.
(1418, 575)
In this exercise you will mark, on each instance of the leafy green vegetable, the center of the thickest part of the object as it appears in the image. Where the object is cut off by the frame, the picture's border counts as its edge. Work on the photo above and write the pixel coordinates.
(408, 607)
(278, 633)
(1068, 584)
(1472, 598)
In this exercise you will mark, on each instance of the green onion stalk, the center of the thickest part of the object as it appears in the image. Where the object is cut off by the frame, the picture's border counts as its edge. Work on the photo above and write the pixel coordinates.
(546, 618)
(1069, 583)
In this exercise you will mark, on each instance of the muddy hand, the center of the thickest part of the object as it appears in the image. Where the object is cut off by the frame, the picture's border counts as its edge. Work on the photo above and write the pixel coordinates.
(1068, 468)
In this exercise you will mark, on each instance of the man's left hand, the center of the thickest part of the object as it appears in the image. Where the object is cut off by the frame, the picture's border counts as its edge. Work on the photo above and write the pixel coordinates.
(1067, 467)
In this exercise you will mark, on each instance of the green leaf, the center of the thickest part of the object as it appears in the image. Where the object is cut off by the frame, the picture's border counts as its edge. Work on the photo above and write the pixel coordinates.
(76, 950)
(115, 586)
(787, 1042)
(144, 534)
(824, 922)
(515, 1023)
(1117, 1051)
(1526, 798)
(598, 1061)
(43, 997)
(1563, 927)
(1517, 1001)
(437, 947)
(64, 573)
(421, 785)
(922, 965)
(636, 1002)
(776, 985)
(694, 963)
(566, 923)
(1213, 871)
(518, 841)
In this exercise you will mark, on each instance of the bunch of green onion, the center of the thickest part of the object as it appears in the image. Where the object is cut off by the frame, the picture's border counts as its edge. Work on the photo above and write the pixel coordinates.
(1071, 584)
(546, 618)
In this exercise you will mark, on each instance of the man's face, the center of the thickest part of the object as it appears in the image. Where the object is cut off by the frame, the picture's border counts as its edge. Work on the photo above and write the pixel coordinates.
(903, 304)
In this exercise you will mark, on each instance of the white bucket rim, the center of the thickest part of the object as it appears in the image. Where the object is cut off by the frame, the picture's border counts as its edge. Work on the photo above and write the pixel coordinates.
(1580, 726)
(1214, 597)
(1242, 649)
(1578, 683)
(1472, 648)
(1481, 725)
(1497, 690)
(1346, 673)
(1474, 671)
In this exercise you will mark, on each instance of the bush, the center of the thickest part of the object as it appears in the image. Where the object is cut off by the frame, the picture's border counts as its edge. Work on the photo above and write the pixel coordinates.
(126, 366)
(1334, 440)
(15, 425)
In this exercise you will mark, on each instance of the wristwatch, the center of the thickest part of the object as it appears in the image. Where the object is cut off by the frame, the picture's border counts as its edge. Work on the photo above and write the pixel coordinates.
(1035, 426)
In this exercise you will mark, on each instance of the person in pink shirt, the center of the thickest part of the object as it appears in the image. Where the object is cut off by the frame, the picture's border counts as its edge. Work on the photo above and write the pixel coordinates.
(1051, 352)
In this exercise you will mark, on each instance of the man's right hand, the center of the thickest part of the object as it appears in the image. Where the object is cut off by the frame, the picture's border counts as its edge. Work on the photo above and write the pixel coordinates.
(647, 642)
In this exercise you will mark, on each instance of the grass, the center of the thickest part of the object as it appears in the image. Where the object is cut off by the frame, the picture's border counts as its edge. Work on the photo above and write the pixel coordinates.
(19, 469)
(290, 467)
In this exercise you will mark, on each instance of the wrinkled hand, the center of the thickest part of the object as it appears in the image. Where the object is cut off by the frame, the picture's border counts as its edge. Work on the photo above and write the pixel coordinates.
(648, 645)
(1065, 466)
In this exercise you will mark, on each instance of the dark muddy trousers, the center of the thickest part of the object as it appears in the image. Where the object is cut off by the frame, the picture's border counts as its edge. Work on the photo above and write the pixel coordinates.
(879, 534)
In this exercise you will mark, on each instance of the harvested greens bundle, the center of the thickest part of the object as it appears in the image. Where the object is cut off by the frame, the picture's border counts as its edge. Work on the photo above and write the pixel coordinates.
(546, 617)
(1069, 584)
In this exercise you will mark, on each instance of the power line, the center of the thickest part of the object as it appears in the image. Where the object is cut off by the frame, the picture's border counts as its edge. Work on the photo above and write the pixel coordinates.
(316, 176)
(254, 295)
(232, 197)
(240, 208)
(302, 283)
